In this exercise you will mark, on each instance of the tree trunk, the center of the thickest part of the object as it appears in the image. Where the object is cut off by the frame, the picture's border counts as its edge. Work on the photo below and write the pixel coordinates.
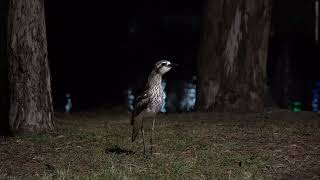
(29, 75)
(233, 56)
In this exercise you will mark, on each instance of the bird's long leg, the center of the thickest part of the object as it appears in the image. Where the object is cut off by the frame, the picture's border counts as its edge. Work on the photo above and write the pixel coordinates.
(142, 133)
(152, 131)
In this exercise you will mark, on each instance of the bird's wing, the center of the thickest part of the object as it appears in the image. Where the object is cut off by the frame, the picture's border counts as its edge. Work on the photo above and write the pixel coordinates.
(140, 103)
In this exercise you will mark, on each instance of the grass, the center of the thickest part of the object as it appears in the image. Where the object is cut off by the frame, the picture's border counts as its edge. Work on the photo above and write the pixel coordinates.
(96, 145)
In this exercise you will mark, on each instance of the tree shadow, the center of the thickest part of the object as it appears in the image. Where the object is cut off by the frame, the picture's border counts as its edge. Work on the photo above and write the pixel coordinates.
(118, 150)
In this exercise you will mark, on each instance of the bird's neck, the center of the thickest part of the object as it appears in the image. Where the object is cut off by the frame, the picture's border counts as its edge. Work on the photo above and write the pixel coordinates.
(154, 79)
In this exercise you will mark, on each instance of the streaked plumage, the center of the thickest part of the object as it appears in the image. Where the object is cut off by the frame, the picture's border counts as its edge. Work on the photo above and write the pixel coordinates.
(150, 101)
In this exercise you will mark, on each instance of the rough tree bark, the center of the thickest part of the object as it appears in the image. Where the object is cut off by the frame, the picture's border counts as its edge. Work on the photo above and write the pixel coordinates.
(233, 56)
(29, 75)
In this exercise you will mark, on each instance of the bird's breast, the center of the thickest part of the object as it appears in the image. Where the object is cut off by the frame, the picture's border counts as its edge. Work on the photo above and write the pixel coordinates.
(156, 100)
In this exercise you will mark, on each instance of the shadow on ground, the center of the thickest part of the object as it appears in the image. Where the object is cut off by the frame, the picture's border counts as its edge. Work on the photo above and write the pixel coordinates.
(118, 150)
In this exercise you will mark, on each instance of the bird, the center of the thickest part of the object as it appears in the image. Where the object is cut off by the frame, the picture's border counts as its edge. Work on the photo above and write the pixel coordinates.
(149, 102)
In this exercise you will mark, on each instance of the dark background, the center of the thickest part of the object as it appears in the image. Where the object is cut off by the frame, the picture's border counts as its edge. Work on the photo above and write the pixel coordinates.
(98, 49)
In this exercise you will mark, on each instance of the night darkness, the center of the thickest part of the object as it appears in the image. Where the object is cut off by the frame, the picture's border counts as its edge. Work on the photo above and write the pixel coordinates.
(96, 50)
(228, 114)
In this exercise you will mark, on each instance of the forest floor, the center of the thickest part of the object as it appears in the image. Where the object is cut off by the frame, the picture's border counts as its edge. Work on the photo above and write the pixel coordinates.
(97, 145)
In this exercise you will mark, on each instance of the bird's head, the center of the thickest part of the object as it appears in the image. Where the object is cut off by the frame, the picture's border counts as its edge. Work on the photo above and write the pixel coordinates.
(163, 66)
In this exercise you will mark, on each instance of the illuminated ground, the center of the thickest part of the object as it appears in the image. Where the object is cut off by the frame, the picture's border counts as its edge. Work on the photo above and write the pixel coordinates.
(96, 145)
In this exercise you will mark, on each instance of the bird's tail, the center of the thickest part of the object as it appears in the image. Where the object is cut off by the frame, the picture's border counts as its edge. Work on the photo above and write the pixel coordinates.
(136, 126)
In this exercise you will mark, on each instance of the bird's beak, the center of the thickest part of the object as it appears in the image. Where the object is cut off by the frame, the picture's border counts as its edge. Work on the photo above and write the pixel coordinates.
(173, 65)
